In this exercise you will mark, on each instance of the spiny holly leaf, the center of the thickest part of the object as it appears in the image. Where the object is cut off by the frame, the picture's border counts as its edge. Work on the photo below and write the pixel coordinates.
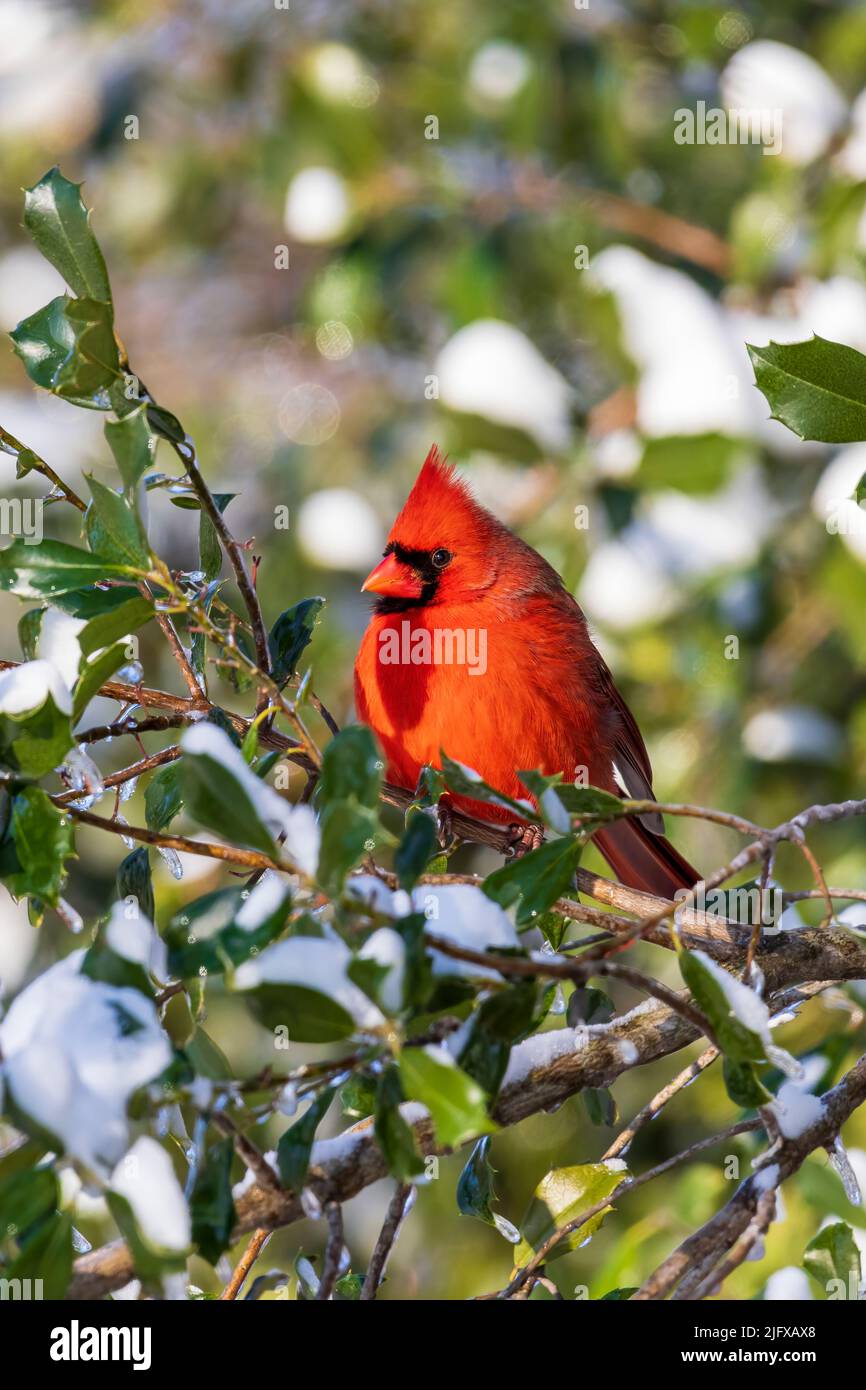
(133, 445)
(816, 388)
(562, 1195)
(456, 1103)
(113, 529)
(51, 569)
(59, 223)
(43, 839)
(69, 347)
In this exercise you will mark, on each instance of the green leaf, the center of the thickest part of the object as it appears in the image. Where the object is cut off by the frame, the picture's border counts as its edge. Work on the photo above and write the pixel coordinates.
(307, 1015)
(737, 1041)
(589, 1005)
(211, 1205)
(204, 935)
(133, 445)
(149, 1264)
(456, 1103)
(26, 1199)
(117, 622)
(394, 1136)
(347, 830)
(59, 223)
(502, 1019)
(43, 839)
(29, 628)
(135, 880)
(537, 880)
(816, 388)
(466, 782)
(47, 1256)
(475, 1185)
(215, 798)
(743, 1084)
(163, 798)
(209, 548)
(561, 1196)
(834, 1254)
(113, 529)
(295, 1145)
(93, 602)
(351, 768)
(52, 568)
(692, 463)
(358, 1097)
(289, 636)
(36, 740)
(94, 675)
(600, 1106)
(414, 850)
(69, 347)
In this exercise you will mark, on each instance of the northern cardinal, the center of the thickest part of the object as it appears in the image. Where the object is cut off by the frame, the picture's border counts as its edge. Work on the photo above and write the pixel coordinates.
(531, 689)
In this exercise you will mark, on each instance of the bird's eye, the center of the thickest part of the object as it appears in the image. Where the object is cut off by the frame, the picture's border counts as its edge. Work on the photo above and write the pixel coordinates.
(441, 558)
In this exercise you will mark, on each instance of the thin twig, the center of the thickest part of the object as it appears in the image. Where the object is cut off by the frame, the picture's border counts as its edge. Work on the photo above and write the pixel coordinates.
(333, 1252)
(258, 1241)
(398, 1208)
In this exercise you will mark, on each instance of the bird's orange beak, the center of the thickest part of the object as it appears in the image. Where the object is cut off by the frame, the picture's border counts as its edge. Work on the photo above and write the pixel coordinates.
(393, 579)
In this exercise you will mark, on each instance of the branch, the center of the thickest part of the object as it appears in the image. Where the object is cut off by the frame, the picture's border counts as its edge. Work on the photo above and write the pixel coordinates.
(704, 1251)
(540, 1077)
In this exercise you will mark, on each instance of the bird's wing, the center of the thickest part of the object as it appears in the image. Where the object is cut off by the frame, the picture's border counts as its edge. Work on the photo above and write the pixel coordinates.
(632, 759)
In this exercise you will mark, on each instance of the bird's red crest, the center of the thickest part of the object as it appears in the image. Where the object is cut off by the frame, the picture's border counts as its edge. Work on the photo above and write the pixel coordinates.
(440, 508)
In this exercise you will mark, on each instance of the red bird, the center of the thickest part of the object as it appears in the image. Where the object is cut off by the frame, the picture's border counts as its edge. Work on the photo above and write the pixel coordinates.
(475, 647)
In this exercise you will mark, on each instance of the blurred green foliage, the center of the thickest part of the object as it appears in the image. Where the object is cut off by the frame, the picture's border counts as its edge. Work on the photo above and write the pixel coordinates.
(320, 375)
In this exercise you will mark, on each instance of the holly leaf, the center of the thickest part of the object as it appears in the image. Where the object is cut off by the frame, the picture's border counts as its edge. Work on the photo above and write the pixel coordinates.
(51, 569)
(133, 445)
(68, 347)
(113, 529)
(817, 388)
(456, 1102)
(562, 1195)
(42, 838)
(290, 635)
(211, 1206)
(537, 880)
(59, 223)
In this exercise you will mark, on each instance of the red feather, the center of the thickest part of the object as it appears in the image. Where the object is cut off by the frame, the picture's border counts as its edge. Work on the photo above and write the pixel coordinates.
(545, 699)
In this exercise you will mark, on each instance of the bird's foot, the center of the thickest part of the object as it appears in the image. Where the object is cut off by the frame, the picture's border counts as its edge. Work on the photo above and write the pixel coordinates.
(523, 839)
(445, 818)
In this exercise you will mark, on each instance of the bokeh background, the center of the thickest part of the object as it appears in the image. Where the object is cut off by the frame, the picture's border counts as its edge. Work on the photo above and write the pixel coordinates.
(494, 243)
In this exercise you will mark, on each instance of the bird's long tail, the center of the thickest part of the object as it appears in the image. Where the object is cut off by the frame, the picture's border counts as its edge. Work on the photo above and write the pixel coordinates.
(641, 859)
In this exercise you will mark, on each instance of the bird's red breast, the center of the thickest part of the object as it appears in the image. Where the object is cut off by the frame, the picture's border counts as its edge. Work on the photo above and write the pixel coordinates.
(476, 648)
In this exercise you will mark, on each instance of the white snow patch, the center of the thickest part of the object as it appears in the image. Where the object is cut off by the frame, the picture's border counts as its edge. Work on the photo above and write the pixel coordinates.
(71, 1061)
(298, 823)
(132, 936)
(388, 949)
(796, 1110)
(28, 686)
(267, 896)
(146, 1178)
(58, 643)
(317, 964)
